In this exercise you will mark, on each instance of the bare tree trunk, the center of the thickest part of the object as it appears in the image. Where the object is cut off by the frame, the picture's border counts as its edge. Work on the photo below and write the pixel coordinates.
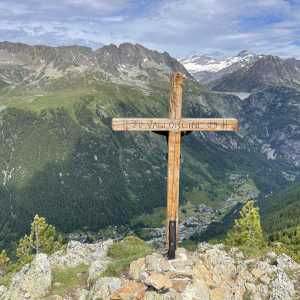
(37, 239)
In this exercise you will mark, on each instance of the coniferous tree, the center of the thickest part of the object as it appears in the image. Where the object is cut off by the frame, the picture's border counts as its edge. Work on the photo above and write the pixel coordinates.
(247, 230)
(43, 238)
(4, 260)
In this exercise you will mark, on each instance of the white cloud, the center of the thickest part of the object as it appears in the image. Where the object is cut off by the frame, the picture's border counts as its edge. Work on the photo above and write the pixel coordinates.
(177, 26)
(106, 5)
(214, 25)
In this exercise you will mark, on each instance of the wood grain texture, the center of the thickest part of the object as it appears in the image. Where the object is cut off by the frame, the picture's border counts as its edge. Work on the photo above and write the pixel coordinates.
(175, 124)
(174, 141)
(165, 124)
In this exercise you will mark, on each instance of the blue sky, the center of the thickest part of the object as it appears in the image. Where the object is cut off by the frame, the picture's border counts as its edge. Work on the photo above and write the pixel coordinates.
(181, 27)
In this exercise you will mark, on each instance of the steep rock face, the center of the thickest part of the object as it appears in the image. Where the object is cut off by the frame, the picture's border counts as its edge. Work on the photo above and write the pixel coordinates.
(112, 58)
(266, 71)
(271, 120)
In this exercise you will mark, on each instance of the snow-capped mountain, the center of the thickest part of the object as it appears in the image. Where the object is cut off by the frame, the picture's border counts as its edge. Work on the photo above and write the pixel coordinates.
(205, 68)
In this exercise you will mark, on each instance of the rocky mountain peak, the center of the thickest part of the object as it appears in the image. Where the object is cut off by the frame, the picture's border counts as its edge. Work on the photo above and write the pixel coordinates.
(264, 71)
(113, 58)
(206, 69)
(130, 63)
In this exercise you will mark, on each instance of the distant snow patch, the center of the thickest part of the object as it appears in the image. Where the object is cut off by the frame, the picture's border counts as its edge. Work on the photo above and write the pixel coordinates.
(269, 151)
(241, 95)
(288, 177)
(202, 63)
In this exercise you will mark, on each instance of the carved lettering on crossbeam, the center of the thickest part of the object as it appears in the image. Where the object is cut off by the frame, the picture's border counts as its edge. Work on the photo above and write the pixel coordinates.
(164, 124)
(174, 125)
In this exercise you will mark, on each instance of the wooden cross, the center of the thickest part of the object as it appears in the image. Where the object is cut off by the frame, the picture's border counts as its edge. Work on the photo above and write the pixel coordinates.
(175, 126)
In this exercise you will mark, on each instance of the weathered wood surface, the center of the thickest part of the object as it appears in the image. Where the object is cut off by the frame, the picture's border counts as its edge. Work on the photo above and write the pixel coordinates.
(165, 124)
(175, 124)
(174, 141)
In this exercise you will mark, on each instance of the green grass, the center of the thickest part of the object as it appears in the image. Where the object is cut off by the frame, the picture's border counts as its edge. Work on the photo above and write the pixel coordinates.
(189, 245)
(65, 281)
(124, 252)
(6, 279)
(154, 219)
(195, 196)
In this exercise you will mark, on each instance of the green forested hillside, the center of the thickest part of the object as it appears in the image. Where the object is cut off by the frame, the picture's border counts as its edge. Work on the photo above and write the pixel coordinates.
(281, 210)
(60, 159)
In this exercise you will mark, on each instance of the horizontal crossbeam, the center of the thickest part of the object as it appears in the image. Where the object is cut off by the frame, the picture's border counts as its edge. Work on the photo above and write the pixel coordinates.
(165, 124)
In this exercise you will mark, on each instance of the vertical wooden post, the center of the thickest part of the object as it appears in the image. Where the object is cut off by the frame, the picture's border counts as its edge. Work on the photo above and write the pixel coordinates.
(174, 140)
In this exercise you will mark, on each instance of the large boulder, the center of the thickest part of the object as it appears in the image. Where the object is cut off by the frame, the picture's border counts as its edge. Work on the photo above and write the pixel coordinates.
(32, 282)
(158, 281)
(286, 263)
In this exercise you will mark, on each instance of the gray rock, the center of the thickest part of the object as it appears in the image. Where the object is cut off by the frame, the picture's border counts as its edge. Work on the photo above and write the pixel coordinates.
(196, 290)
(79, 253)
(3, 290)
(104, 287)
(282, 288)
(32, 282)
(156, 262)
(286, 263)
(166, 296)
(96, 268)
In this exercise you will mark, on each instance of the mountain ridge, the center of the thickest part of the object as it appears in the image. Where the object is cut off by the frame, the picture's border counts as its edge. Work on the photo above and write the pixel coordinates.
(30, 64)
(206, 68)
(59, 156)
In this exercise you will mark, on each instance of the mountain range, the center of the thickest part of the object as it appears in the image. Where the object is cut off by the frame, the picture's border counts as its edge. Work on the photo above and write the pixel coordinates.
(206, 68)
(245, 72)
(59, 157)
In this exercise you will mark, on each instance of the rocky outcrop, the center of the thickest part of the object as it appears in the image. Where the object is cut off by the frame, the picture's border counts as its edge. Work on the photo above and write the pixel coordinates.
(78, 253)
(35, 279)
(32, 282)
(212, 272)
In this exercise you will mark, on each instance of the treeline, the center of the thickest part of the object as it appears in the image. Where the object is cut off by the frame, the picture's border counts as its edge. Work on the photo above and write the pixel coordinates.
(287, 241)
